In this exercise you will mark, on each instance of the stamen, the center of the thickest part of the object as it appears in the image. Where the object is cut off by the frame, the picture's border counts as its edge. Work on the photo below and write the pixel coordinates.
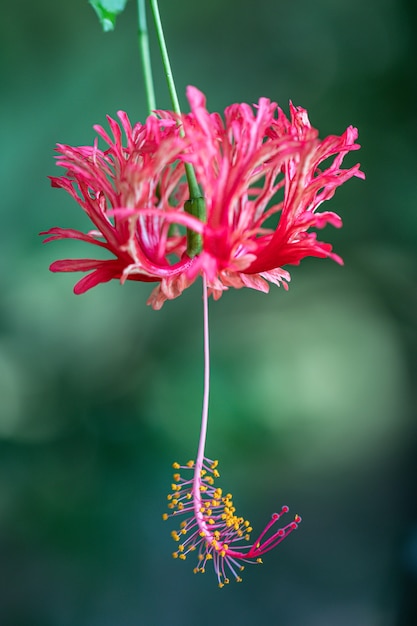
(211, 523)
(213, 526)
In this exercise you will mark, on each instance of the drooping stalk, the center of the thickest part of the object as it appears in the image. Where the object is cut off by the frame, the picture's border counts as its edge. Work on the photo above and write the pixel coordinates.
(143, 40)
(204, 414)
(195, 205)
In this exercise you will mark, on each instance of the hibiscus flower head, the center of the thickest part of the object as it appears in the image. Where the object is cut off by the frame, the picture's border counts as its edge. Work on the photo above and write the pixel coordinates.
(263, 177)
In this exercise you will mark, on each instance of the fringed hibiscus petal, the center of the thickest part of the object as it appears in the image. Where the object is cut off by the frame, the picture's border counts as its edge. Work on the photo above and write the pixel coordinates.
(264, 177)
(101, 275)
(211, 531)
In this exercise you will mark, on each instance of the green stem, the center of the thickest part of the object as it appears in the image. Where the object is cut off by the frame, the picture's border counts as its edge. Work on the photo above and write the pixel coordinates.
(143, 40)
(165, 57)
(195, 205)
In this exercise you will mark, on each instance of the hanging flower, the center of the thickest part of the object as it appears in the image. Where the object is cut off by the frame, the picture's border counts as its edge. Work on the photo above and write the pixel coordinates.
(263, 177)
(212, 527)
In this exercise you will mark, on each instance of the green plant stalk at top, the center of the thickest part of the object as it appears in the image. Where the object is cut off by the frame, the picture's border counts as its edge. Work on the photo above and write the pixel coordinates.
(143, 40)
(195, 205)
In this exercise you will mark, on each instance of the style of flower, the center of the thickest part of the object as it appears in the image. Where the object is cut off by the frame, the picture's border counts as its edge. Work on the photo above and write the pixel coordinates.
(263, 177)
(212, 526)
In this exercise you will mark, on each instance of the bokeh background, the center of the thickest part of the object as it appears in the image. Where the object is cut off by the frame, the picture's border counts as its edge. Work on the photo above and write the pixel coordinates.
(313, 391)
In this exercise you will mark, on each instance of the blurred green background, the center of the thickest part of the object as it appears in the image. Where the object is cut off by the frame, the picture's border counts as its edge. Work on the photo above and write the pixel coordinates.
(313, 396)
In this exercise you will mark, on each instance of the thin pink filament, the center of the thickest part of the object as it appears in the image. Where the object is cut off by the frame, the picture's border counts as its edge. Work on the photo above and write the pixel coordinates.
(204, 415)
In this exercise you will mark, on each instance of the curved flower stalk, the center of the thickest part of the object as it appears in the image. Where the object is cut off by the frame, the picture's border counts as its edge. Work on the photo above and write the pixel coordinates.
(263, 177)
(212, 526)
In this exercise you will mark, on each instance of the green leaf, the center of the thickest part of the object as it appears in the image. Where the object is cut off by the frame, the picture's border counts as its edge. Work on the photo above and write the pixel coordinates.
(107, 11)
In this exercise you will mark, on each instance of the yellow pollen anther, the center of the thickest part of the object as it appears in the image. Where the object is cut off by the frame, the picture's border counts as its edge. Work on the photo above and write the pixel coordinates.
(214, 465)
(183, 557)
(176, 477)
(176, 465)
(175, 555)
(259, 561)
(181, 547)
(164, 516)
(238, 579)
(190, 463)
(183, 524)
(216, 474)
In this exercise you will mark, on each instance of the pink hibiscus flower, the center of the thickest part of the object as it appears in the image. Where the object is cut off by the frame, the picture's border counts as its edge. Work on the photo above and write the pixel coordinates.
(263, 177)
